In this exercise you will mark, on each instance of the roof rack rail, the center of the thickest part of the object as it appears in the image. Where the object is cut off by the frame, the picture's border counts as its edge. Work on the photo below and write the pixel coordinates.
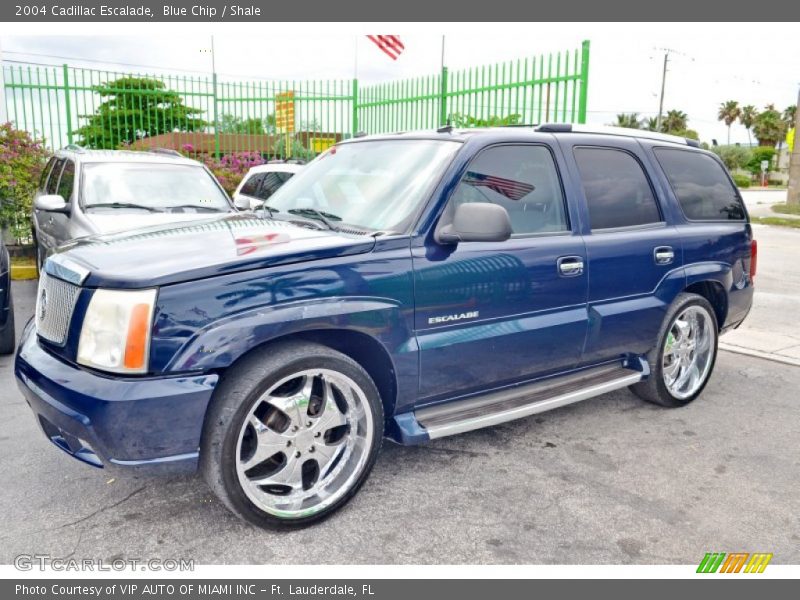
(287, 161)
(169, 151)
(621, 131)
(74, 148)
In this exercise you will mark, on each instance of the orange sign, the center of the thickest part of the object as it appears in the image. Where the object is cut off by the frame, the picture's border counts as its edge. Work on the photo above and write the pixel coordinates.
(284, 112)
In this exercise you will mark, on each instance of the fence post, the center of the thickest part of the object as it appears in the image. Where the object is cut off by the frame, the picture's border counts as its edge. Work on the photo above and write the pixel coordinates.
(216, 117)
(67, 104)
(443, 99)
(584, 81)
(355, 107)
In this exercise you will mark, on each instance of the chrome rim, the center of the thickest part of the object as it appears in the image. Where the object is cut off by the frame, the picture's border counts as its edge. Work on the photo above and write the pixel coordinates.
(304, 443)
(688, 352)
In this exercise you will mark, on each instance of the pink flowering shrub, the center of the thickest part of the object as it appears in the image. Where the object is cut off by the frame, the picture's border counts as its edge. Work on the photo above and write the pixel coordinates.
(231, 168)
(21, 161)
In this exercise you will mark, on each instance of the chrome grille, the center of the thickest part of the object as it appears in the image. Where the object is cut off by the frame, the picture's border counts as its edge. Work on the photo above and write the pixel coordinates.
(55, 302)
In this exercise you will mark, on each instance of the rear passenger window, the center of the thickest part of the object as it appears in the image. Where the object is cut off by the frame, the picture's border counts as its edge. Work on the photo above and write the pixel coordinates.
(66, 181)
(52, 183)
(272, 181)
(617, 190)
(521, 179)
(251, 185)
(703, 189)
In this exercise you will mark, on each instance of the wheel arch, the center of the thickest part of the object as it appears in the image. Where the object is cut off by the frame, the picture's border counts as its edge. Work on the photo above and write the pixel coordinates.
(714, 292)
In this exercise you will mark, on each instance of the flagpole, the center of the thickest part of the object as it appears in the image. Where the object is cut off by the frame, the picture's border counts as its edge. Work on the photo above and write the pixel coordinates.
(355, 57)
(442, 65)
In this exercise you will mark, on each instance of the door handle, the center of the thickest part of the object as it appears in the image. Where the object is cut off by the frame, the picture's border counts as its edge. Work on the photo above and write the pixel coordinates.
(570, 266)
(664, 255)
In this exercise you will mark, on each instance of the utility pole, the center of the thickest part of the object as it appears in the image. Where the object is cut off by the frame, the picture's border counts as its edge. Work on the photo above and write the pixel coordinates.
(793, 196)
(3, 117)
(663, 85)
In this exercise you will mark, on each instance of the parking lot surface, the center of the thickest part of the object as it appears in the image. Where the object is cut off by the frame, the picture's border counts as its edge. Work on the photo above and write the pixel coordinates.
(610, 480)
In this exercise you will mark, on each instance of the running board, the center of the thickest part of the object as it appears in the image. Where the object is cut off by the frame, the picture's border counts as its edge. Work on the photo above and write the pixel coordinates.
(525, 400)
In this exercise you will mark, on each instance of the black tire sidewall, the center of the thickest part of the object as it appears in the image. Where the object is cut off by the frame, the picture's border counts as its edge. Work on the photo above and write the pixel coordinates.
(311, 357)
(656, 366)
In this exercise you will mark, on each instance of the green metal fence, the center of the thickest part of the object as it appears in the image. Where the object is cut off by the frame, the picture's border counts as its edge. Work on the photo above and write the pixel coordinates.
(207, 115)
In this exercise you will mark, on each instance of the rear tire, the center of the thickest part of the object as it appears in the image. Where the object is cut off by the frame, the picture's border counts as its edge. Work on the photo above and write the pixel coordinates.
(683, 359)
(291, 434)
(8, 340)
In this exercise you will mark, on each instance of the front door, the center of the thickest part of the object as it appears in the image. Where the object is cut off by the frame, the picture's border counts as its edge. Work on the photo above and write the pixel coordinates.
(490, 313)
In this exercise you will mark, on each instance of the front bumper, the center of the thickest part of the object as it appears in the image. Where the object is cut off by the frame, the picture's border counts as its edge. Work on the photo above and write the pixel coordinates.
(106, 421)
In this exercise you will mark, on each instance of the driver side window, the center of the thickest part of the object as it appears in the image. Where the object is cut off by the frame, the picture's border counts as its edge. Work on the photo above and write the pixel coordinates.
(522, 179)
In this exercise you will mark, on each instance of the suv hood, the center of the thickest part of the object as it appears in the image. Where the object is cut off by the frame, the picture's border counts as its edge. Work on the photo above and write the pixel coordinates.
(120, 220)
(176, 252)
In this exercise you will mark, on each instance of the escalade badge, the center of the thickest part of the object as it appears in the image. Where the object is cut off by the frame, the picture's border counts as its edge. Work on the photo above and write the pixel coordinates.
(457, 317)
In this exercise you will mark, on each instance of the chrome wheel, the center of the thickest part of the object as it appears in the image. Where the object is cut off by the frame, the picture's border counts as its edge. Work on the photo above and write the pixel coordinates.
(304, 443)
(689, 352)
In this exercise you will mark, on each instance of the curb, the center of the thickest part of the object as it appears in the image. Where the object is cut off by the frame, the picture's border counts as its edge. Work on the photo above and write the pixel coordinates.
(22, 272)
(759, 354)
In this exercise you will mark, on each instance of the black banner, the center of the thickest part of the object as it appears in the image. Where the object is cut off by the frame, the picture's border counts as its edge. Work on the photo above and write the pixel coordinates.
(407, 11)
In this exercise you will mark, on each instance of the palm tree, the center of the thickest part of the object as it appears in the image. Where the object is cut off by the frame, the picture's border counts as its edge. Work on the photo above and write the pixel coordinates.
(628, 120)
(747, 117)
(769, 127)
(728, 112)
(651, 124)
(675, 121)
(789, 115)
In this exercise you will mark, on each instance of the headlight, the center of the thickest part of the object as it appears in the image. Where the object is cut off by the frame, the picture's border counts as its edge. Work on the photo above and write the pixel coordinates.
(116, 331)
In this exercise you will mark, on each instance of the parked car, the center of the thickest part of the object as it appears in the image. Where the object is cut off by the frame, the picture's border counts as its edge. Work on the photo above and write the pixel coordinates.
(84, 192)
(262, 181)
(7, 332)
(412, 286)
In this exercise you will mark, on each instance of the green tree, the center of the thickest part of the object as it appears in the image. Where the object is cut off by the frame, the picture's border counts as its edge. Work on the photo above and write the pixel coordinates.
(747, 117)
(789, 115)
(651, 124)
(628, 121)
(675, 121)
(759, 154)
(135, 108)
(769, 127)
(21, 161)
(734, 157)
(466, 121)
(729, 112)
(254, 125)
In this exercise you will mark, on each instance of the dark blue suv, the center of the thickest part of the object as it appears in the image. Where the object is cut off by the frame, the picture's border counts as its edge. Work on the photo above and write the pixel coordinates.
(411, 286)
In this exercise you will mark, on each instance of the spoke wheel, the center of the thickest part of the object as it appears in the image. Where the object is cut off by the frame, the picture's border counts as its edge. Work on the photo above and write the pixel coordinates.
(303, 443)
(688, 352)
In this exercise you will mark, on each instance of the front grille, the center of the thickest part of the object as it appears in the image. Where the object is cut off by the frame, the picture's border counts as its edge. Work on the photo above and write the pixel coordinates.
(55, 302)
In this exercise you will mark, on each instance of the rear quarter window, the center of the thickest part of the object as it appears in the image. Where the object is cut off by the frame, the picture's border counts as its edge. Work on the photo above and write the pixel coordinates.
(701, 185)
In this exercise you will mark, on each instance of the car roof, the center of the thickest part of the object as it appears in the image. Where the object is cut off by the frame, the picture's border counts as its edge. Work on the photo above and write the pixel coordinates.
(84, 155)
(530, 133)
(276, 168)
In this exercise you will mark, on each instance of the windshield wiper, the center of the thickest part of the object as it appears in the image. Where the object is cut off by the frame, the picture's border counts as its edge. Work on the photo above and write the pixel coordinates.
(124, 205)
(320, 215)
(197, 207)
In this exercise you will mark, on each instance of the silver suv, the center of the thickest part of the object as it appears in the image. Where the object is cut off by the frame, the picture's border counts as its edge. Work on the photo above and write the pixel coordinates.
(84, 192)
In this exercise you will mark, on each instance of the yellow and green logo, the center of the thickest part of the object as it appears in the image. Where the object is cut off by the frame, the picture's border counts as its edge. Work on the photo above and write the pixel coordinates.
(734, 562)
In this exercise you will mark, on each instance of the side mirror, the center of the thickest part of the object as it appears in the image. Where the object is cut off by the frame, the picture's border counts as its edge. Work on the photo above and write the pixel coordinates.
(476, 222)
(256, 204)
(51, 203)
(241, 202)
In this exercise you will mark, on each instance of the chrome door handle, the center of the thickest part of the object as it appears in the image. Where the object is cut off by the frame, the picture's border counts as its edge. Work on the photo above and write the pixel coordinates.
(570, 266)
(664, 255)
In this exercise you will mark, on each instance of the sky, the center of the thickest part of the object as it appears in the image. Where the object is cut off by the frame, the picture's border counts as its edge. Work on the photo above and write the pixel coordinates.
(709, 63)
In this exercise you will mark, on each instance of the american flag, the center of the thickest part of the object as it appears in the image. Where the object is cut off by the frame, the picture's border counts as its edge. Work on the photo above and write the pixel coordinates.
(514, 190)
(390, 44)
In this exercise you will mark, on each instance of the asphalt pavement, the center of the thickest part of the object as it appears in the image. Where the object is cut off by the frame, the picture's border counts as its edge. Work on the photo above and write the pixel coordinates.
(610, 480)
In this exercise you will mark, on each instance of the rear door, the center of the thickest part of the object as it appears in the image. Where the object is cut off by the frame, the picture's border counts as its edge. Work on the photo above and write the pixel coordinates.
(489, 313)
(634, 253)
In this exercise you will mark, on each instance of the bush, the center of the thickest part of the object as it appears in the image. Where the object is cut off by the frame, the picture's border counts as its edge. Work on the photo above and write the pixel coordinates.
(21, 161)
(231, 168)
(758, 154)
(742, 181)
(734, 157)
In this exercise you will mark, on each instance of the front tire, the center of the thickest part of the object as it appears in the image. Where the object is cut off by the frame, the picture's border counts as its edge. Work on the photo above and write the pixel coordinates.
(292, 433)
(683, 359)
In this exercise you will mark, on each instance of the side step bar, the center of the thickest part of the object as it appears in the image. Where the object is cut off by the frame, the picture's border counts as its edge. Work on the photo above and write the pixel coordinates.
(525, 400)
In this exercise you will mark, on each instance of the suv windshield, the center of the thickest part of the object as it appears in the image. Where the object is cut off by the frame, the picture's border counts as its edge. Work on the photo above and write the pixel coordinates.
(375, 185)
(151, 186)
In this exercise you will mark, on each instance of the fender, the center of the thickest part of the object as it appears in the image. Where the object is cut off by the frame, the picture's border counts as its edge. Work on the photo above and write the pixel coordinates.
(222, 342)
